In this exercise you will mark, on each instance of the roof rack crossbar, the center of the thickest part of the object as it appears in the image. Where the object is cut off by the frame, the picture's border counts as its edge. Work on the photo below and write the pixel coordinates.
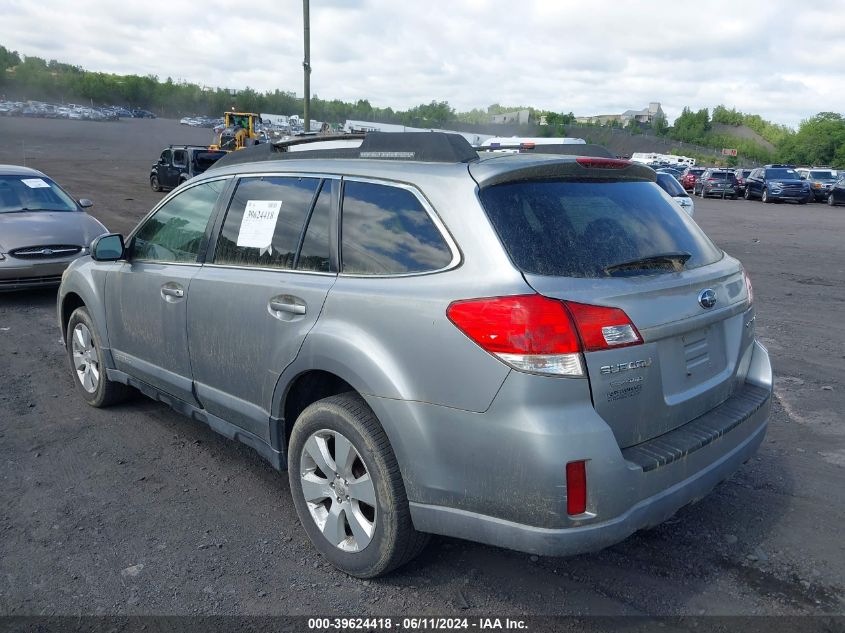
(437, 147)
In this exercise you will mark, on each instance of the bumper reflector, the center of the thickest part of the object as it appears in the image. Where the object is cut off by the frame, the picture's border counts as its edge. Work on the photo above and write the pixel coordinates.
(576, 488)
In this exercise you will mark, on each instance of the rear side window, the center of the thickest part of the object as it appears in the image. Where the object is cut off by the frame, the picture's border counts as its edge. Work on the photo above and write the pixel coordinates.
(265, 221)
(578, 229)
(386, 231)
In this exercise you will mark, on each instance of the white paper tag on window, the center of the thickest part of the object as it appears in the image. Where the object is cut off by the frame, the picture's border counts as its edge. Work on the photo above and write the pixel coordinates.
(259, 224)
(35, 183)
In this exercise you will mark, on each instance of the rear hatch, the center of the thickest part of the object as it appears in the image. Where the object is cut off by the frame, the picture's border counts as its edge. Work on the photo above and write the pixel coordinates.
(610, 237)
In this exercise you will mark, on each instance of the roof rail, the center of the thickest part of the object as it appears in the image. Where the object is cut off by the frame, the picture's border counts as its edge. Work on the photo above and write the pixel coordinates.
(563, 149)
(438, 147)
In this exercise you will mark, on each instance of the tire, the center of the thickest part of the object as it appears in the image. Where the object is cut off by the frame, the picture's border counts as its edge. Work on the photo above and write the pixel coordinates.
(747, 194)
(154, 184)
(830, 201)
(393, 541)
(764, 197)
(85, 353)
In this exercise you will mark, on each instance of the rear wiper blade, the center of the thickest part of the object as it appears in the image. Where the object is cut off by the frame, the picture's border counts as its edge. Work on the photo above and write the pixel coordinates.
(675, 259)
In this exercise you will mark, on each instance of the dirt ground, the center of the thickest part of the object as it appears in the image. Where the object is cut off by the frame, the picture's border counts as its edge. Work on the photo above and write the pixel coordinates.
(137, 510)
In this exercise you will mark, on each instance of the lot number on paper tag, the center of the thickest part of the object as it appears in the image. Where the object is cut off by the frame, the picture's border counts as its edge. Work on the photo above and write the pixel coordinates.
(259, 224)
(35, 183)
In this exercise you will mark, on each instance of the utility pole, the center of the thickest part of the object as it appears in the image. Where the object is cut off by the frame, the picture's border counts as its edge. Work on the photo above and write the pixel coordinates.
(306, 65)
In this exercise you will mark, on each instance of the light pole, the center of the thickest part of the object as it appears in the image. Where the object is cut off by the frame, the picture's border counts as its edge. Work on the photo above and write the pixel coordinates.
(306, 65)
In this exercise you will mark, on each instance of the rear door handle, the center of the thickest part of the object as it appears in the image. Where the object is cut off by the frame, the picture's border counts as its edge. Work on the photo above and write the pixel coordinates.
(287, 303)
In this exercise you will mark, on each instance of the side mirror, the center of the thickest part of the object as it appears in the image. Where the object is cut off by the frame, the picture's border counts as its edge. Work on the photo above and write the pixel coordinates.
(107, 248)
(85, 203)
(803, 178)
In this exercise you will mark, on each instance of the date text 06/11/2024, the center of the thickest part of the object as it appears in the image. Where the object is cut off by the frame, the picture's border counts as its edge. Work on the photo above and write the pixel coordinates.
(415, 624)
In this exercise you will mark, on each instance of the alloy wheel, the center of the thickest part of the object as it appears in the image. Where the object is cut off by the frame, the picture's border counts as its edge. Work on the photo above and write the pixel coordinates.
(85, 360)
(338, 490)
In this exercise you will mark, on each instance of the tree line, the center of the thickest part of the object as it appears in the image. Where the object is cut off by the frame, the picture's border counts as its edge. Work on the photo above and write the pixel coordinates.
(820, 140)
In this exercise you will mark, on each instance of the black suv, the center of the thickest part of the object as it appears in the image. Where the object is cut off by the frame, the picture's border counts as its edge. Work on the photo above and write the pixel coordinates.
(775, 183)
(179, 163)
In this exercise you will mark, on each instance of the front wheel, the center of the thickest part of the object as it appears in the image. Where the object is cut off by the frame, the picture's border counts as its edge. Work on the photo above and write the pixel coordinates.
(86, 360)
(747, 194)
(155, 185)
(830, 201)
(347, 488)
(765, 196)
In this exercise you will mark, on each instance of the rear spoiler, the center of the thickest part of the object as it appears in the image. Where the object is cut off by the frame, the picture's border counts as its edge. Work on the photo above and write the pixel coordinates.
(545, 167)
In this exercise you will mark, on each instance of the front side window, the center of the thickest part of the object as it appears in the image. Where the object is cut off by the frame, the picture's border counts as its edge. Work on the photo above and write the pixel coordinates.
(179, 159)
(386, 231)
(176, 231)
(265, 221)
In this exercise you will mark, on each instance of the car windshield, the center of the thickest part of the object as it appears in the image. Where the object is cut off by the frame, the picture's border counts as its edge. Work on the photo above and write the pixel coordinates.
(782, 173)
(32, 193)
(580, 229)
(822, 175)
(695, 172)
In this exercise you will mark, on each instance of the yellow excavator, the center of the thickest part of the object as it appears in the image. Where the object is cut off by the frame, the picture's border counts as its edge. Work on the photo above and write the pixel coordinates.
(240, 130)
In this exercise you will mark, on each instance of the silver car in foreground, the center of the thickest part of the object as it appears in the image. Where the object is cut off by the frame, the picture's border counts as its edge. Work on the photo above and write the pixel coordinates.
(42, 229)
(538, 352)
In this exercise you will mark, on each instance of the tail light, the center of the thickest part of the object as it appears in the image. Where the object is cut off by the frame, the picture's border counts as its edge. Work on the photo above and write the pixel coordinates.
(748, 287)
(540, 335)
(576, 488)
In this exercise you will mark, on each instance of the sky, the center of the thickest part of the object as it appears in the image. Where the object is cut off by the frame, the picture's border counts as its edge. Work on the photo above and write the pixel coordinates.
(782, 60)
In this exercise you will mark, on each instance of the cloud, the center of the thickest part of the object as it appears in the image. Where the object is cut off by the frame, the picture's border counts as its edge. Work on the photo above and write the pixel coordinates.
(602, 57)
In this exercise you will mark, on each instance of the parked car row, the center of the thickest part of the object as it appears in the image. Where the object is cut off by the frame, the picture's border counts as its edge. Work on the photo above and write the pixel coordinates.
(201, 121)
(41, 110)
(770, 183)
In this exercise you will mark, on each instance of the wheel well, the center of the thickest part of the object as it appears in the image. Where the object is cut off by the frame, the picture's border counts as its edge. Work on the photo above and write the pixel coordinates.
(72, 302)
(307, 389)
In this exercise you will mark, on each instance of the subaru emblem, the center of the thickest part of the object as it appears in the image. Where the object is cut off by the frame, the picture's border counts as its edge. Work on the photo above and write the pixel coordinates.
(707, 298)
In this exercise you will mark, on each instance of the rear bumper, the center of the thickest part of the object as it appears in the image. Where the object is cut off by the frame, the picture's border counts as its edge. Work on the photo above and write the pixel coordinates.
(499, 477)
(578, 540)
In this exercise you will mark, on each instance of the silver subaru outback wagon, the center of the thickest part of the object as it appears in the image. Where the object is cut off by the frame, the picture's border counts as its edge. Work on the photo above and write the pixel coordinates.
(534, 351)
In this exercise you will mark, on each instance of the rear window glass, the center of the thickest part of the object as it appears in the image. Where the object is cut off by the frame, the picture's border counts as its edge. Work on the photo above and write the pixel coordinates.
(386, 231)
(723, 175)
(670, 185)
(578, 229)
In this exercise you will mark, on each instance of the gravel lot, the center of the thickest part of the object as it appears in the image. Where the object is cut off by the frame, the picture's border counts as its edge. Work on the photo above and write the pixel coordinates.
(137, 510)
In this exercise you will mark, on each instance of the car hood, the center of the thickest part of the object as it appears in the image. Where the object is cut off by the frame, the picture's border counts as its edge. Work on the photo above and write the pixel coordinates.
(36, 228)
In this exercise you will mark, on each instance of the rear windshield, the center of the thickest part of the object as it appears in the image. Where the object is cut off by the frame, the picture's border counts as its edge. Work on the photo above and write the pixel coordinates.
(695, 172)
(722, 175)
(578, 229)
(670, 185)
